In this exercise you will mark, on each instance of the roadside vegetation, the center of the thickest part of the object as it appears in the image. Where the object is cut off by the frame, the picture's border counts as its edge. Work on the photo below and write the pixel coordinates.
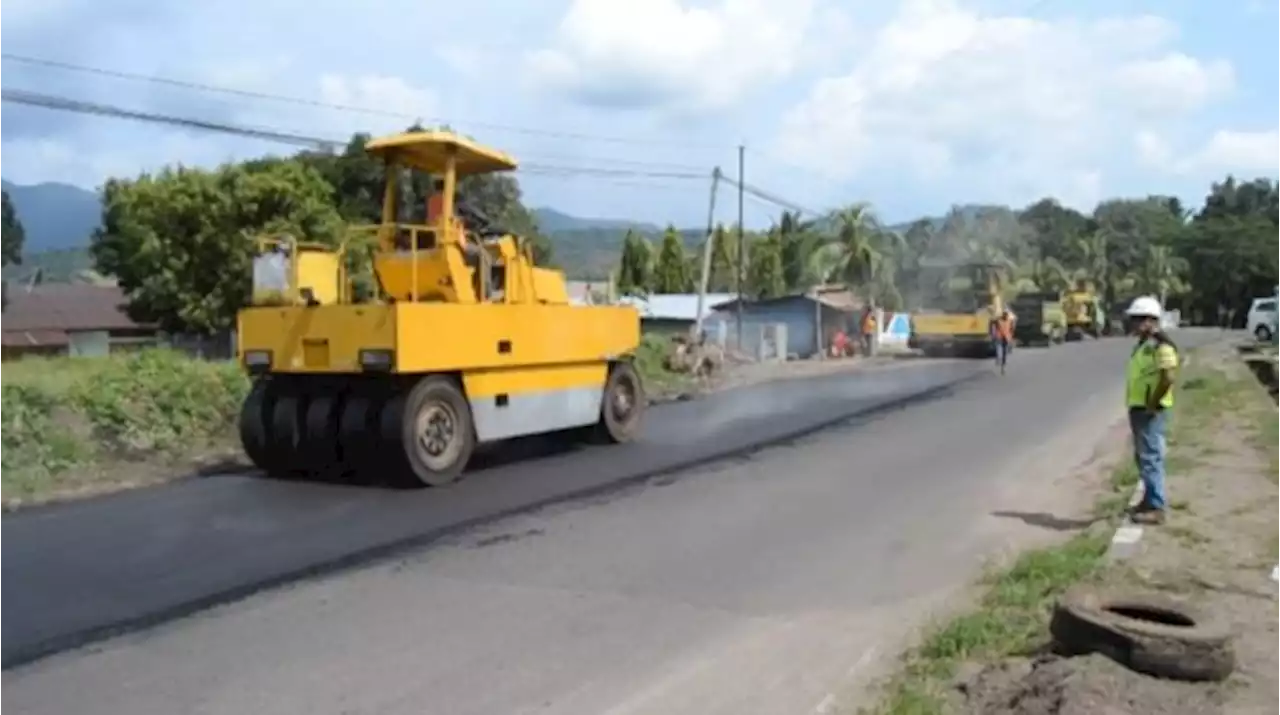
(86, 425)
(1222, 466)
(80, 426)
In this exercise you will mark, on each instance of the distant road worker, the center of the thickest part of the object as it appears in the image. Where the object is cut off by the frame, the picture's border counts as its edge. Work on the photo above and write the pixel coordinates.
(1149, 381)
(868, 330)
(1002, 337)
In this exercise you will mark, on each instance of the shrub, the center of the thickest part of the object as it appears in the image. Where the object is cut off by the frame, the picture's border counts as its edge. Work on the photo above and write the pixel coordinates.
(159, 400)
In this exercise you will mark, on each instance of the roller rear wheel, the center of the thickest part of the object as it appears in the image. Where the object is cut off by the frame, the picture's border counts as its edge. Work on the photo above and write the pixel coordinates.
(360, 450)
(319, 444)
(622, 406)
(255, 416)
(430, 433)
(287, 430)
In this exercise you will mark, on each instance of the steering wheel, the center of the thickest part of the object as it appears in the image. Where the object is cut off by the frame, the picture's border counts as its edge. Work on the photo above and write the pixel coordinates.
(473, 216)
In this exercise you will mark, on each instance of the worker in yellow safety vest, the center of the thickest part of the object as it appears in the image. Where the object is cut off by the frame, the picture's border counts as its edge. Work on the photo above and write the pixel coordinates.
(1149, 382)
(867, 330)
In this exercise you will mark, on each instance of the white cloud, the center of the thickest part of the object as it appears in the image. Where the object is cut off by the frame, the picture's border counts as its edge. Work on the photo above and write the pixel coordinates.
(390, 95)
(1000, 106)
(1242, 153)
(666, 54)
(23, 12)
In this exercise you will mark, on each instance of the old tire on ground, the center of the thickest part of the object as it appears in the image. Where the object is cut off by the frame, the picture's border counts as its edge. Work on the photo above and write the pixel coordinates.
(1147, 633)
(430, 432)
(622, 405)
(255, 417)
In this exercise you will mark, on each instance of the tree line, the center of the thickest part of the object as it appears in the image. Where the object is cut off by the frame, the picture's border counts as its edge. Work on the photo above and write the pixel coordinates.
(179, 241)
(1203, 261)
(13, 235)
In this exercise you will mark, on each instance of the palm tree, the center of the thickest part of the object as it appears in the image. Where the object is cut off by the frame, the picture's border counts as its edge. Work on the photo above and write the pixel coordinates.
(1092, 248)
(800, 242)
(863, 250)
(1046, 274)
(1161, 272)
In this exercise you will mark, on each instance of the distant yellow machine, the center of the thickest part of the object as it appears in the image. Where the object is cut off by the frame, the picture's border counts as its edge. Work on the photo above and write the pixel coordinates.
(466, 341)
(1083, 308)
(960, 299)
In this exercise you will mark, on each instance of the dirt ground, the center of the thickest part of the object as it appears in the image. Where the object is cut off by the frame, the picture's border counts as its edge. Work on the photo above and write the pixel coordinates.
(1217, 551)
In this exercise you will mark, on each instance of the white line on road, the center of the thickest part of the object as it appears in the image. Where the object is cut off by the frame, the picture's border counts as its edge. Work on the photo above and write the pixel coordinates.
(828, 702)
(1127, 536)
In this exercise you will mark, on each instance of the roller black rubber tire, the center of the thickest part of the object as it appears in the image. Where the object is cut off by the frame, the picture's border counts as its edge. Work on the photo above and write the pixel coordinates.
(255, 414)
(319, 444)
(612, 429)
(287, 415)
(1177, 642)
(358, 434)
(398, 422)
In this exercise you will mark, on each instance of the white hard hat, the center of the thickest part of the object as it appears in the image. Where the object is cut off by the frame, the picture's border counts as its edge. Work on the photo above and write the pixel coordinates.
(1145, 306)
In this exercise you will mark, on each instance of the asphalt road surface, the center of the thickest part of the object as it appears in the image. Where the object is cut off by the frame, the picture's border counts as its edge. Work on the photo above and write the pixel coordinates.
(756, 585)
(77, 572)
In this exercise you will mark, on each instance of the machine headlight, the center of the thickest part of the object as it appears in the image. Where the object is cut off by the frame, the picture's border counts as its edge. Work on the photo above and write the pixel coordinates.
(376, 359)
(257, 358)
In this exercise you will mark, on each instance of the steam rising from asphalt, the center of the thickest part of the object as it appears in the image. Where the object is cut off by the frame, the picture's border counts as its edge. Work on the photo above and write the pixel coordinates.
(810, 400)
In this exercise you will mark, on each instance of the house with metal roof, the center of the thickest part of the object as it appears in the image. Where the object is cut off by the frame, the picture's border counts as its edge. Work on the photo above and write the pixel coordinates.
(812, 319)
(672, 313)
(68, 319)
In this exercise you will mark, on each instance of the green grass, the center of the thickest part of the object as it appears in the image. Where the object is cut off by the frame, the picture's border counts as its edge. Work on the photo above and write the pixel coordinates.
(650, 363)
(64, 418)
(1011, 617)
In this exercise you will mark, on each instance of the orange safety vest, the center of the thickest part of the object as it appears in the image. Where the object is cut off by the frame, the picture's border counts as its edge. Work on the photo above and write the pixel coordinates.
(1004, 328)
(435, 206)
(869, 323)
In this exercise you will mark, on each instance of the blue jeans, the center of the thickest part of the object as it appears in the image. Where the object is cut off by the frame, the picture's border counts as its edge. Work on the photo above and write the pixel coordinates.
(1148, 451)
(1002, 352)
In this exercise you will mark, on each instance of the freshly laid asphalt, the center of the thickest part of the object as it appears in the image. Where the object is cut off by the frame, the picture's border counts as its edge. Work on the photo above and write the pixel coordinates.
(79, 572)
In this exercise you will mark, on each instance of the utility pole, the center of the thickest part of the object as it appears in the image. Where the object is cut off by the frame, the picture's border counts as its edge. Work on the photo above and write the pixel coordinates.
(707, 247)
(742, 249)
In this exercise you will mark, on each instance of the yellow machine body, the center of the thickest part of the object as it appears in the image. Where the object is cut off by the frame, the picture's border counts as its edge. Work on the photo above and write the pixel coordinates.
(958, 322)
(467, 309)
(1082, 308)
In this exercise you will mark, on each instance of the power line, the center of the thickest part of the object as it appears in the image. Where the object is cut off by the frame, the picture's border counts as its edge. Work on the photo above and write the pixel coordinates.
(36, 99)
(549, 169)
(542, 170)
(302, 101)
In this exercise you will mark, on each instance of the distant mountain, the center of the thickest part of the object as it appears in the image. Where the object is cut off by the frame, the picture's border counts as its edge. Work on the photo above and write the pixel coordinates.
(551, 221)
(54, 216)
(59, 219)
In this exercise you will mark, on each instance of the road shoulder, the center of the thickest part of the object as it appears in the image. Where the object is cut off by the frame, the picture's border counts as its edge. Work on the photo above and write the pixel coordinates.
(1216, 552)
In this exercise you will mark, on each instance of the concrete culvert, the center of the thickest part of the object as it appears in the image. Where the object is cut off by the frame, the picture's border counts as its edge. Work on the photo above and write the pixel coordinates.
(1148, 633)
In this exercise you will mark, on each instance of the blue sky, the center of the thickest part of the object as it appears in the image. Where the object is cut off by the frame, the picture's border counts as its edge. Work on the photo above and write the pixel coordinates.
(912, 106)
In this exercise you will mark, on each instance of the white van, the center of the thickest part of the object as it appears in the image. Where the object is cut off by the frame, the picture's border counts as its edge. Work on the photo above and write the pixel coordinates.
(1262, 319)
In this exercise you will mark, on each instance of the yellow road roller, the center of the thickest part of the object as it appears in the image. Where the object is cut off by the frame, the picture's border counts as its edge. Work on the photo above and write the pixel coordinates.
(465, 341)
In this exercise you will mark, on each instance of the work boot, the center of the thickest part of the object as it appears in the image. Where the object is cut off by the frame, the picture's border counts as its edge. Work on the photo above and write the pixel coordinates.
(1139, 508)
(1151, 517)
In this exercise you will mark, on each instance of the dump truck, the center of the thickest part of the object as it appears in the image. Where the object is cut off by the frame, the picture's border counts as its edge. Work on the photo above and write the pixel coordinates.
(1041, 320)
(464, 342)
(959, 300)
(1084, 311)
